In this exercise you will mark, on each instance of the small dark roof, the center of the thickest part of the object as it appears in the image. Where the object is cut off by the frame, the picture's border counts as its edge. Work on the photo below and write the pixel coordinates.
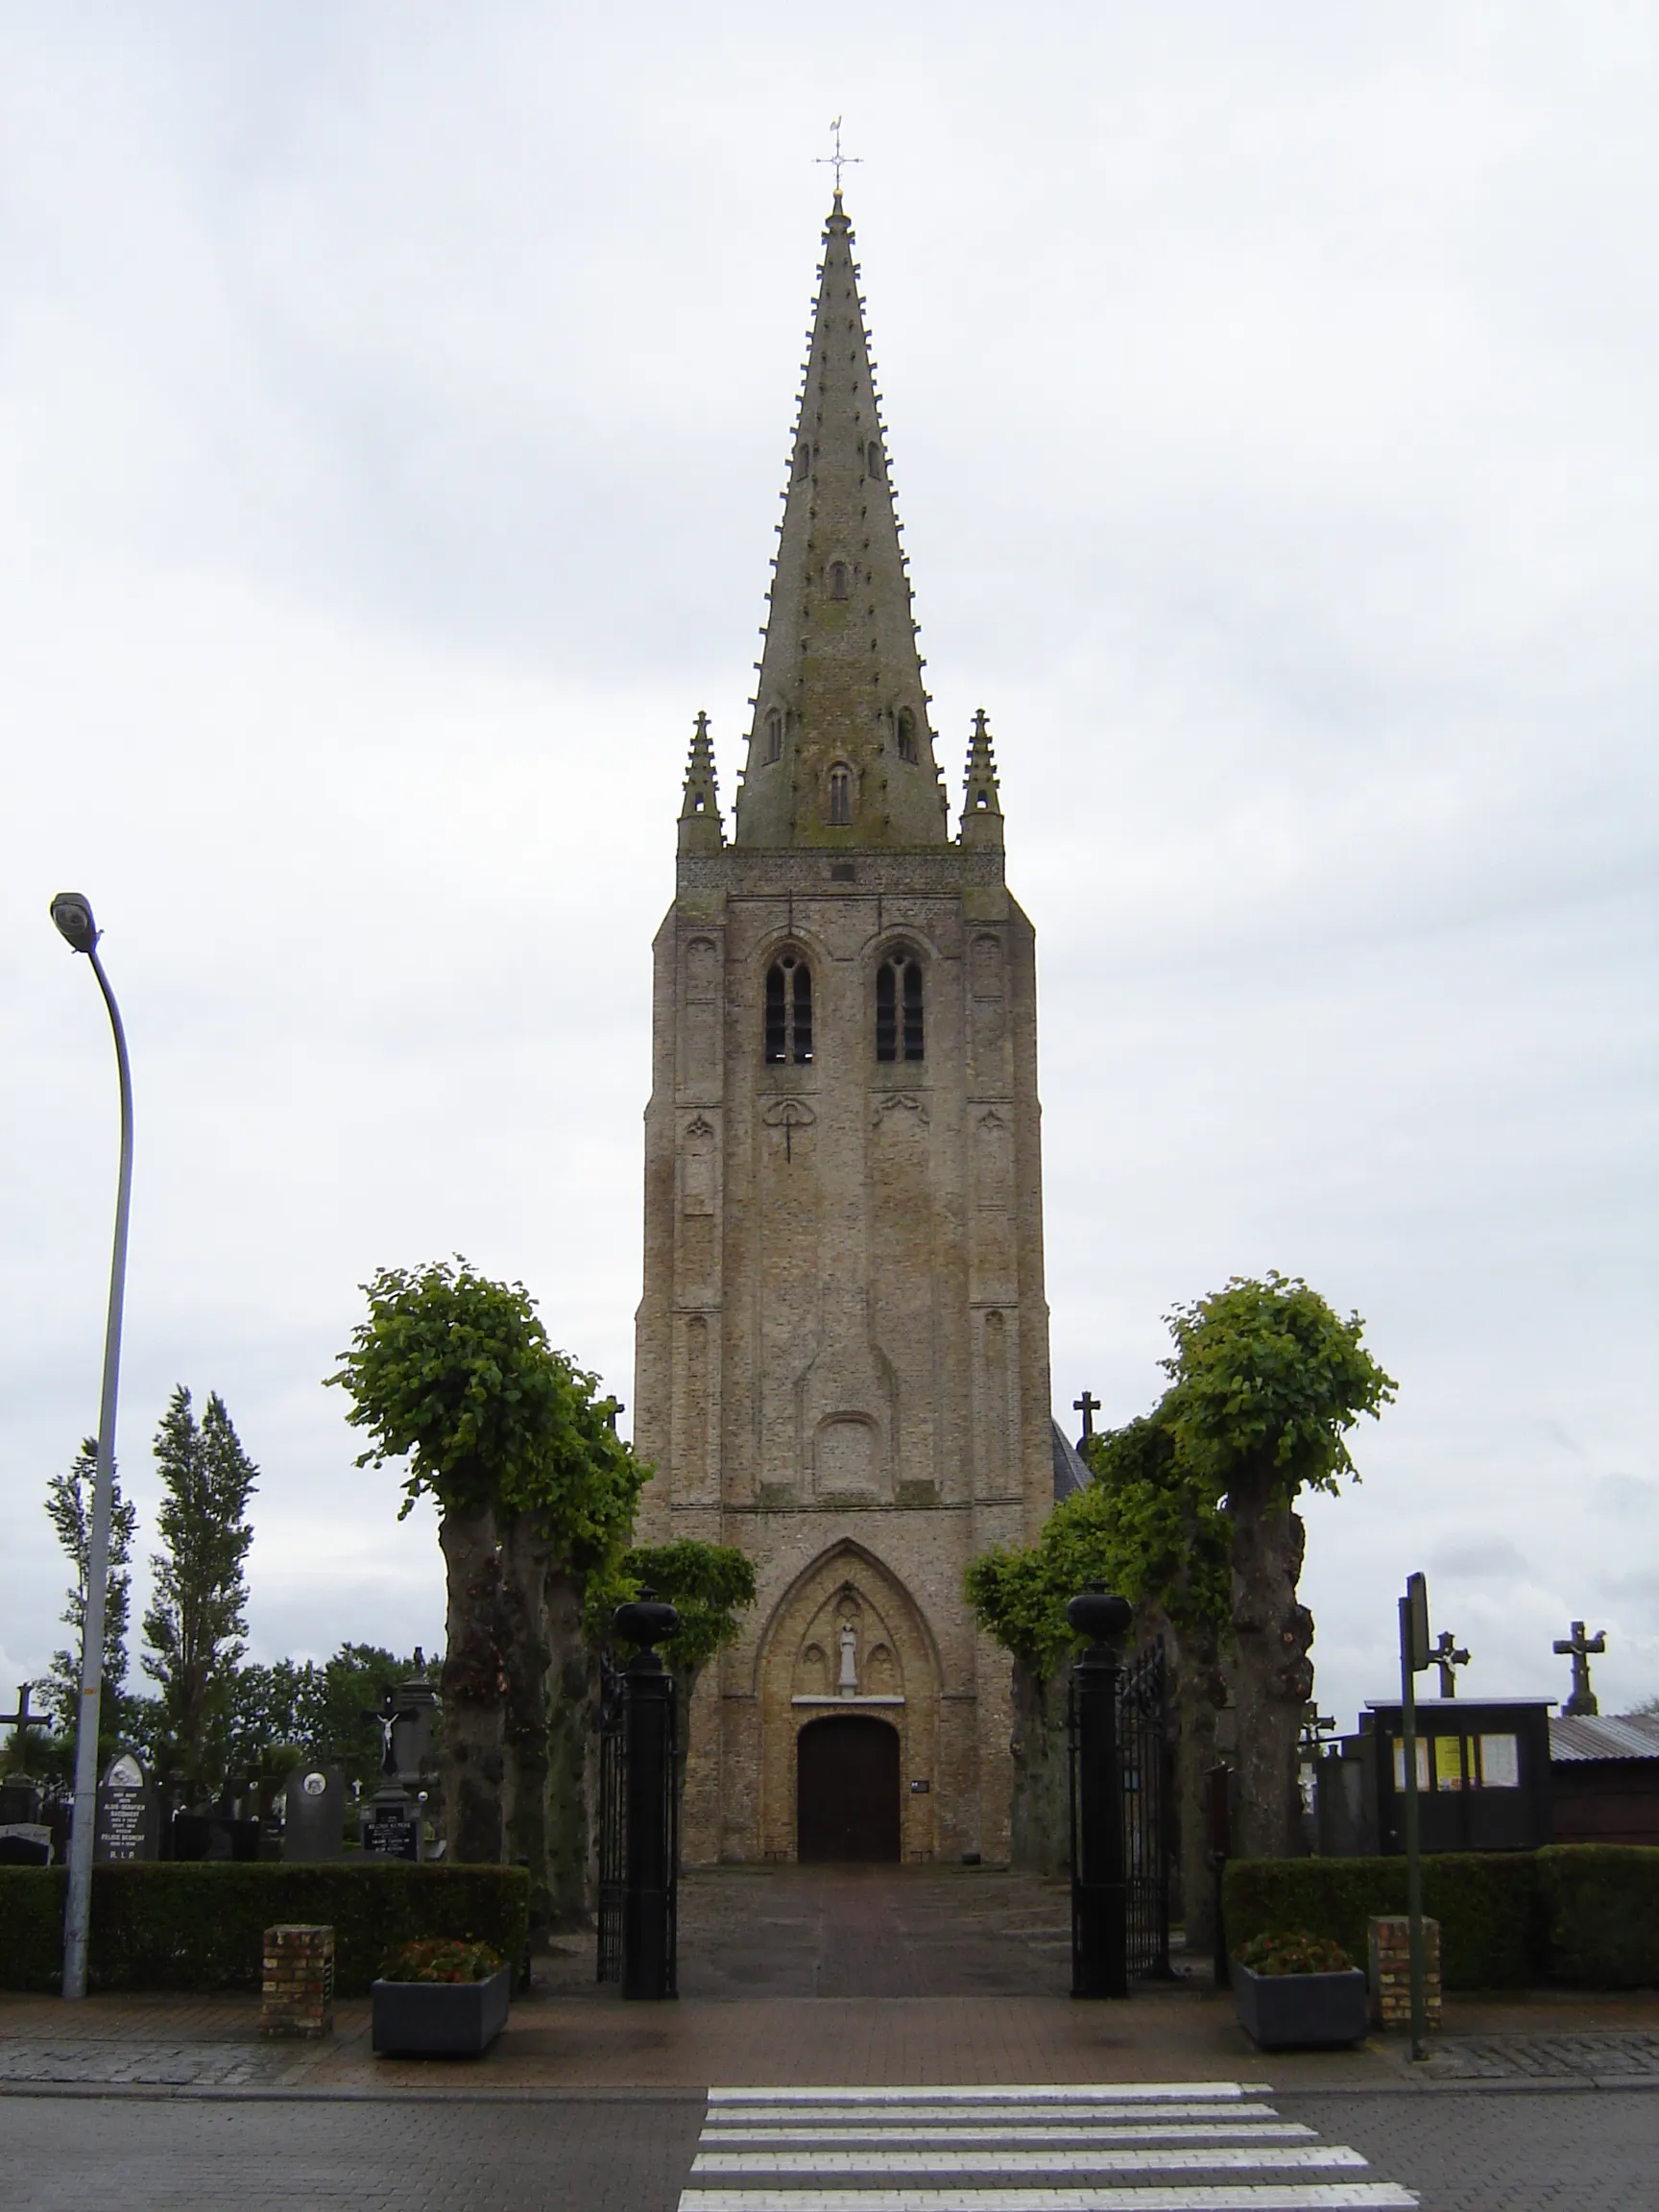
(1599, 1736)
(1070, 1472)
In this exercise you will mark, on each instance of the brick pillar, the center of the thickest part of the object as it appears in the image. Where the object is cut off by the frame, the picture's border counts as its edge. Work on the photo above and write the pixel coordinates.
(1389, 1943)
(299, 1988)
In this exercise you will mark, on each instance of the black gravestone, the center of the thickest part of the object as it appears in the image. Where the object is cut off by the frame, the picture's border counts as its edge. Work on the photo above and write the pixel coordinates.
(20, 1800)
(214, 1836)
(390, 1826)
(314, 1814)
(127, 1824)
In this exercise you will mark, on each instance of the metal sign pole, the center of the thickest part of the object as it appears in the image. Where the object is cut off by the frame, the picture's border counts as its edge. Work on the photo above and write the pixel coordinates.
(1413, 1654)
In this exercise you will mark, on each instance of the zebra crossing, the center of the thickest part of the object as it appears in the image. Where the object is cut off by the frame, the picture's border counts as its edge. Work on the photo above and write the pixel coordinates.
(1096, 2147)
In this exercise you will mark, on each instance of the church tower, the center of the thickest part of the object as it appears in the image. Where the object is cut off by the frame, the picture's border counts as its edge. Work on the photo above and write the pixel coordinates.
(842, 1361)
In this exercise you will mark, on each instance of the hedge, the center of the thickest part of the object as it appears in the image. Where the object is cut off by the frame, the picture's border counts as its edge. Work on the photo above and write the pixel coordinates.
(177, 1926)
(1582, 1914)
(1488, 1904)
(1602, 1911)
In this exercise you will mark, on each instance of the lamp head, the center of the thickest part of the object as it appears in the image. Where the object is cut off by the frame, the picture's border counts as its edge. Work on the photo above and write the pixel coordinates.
(73, 915)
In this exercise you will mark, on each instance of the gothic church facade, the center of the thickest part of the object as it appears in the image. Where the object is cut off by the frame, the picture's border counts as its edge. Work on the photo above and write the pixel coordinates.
(842, 1361)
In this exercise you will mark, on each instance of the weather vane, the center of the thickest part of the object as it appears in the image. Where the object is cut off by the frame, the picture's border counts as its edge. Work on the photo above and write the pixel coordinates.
(838, 160)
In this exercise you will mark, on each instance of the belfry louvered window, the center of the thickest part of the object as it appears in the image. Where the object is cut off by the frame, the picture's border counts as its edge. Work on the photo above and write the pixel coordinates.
(899, 1032)
(840, 795)
(788, 1011)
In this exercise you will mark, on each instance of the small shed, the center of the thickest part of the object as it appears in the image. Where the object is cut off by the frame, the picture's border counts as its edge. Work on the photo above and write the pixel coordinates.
(1606, 1777)
(1483, 1778)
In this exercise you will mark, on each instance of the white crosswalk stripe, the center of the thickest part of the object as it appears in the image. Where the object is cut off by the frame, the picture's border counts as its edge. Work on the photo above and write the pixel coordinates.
(1196, 2146)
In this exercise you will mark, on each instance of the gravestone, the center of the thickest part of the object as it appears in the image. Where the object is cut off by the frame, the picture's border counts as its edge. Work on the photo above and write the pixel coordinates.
(214, 1837)
(314, 1814)
(411, 1729)
(20, 1800)
(25, 1838)
(390, 1826)
(127, 1825)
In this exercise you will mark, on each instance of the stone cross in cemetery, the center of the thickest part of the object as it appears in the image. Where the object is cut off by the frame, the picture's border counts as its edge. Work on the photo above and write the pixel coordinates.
(1447, 1658)
(1088, 1406)
(390, 1825)
(25, 1838)
(1580, 1649)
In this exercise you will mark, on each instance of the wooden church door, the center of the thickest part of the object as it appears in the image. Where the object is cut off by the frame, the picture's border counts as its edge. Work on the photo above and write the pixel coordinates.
(846, 1790)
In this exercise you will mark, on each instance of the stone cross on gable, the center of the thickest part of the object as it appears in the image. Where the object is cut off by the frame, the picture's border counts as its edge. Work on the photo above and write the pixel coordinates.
(1447, 1658)
(1580, 1649)
(1088, 1406)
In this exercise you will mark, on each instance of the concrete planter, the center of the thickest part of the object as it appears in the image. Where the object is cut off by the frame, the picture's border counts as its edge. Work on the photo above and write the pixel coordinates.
(1280, 2010)
(439, 2019)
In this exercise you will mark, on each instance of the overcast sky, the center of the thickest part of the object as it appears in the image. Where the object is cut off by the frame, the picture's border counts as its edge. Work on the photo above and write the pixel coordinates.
(393, 403)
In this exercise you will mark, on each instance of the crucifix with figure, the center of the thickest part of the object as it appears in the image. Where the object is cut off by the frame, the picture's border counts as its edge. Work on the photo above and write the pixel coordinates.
(1447, 1658)
(838, 160)
(1580, 1649)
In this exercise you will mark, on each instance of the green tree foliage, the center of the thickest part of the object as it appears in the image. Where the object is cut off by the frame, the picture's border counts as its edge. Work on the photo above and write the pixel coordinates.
(454, 1373)
(197, 1617)
(1265, 1382)
(708, 1584)
(69, 1510)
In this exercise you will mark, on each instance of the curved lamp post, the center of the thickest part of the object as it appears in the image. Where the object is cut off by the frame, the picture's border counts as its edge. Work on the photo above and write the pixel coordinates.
(73, 915)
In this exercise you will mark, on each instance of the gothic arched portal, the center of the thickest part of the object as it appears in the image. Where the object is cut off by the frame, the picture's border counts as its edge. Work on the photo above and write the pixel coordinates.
(847, 1643)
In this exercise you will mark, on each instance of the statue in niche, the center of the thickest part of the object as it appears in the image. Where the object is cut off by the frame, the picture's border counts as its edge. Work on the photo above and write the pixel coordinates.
(849, 1682)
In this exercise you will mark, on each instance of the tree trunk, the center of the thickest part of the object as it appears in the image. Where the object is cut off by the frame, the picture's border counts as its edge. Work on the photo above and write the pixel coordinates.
(1199, 1694)
(527, 1662)
(549, 1722)
(572, 1726)
(472, 1685)
(1040, 1828)
(1273, 1677)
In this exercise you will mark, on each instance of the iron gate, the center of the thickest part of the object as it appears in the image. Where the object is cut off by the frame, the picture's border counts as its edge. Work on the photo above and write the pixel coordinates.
(1144, 1762)
(1128, 1885)
(614, 1816)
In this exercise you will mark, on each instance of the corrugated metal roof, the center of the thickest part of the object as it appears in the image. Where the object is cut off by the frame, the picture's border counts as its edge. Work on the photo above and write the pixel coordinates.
(1609, 1736)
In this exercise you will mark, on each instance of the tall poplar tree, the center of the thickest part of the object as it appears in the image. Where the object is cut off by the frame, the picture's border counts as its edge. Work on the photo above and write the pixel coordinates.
(69, 1510)
(198, 1613)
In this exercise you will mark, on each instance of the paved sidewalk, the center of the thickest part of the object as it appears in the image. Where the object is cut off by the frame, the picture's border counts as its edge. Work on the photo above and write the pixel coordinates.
(797, 1976)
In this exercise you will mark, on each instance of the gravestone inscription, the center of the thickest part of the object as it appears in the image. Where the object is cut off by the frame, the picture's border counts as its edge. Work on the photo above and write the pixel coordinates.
(127, 1826)
(314, 1814)
(390, 1826)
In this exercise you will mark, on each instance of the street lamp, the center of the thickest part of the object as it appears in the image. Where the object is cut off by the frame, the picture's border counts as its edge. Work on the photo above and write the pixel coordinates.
(73, 916)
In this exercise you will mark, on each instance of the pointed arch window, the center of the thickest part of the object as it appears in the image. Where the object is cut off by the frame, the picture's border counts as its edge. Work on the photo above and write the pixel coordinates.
(841, 795)
(899, 1011)
(906, 735)
(774, 734)
(874, 460)
(788, 1011)
(838, 579)
(802, 461)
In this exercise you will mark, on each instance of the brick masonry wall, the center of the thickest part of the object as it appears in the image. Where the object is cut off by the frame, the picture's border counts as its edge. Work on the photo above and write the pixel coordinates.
(298, 1992)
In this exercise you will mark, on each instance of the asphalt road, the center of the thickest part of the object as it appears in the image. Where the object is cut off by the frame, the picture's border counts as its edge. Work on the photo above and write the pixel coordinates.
(1487, 2150)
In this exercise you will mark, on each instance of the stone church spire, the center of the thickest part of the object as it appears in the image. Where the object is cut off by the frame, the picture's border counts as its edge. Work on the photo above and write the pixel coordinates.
(699, 825)
(981, 802)
(840, 753)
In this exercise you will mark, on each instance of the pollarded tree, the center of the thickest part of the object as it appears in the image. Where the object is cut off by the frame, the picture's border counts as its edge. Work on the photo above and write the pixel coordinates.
(535, 1492)
(1265, 1382)
(1145, 1531)
(197, 1617)
(69, 1510)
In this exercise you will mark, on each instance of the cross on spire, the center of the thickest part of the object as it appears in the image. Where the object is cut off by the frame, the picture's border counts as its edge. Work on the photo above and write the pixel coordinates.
(1088, 1406)
(838, 160)
(1447, 1658)
(1580, 1649)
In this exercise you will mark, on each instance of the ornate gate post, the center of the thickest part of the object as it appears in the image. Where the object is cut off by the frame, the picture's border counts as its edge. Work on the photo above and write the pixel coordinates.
(1099, 1916)
(650, 1826)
